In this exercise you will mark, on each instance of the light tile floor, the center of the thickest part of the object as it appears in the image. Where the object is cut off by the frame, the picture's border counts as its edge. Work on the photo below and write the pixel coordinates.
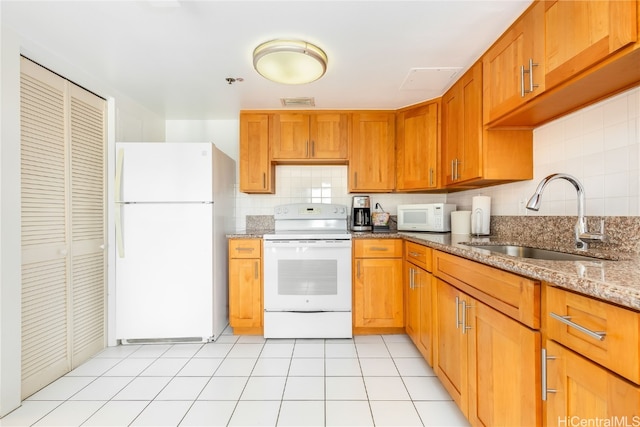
(379, 380)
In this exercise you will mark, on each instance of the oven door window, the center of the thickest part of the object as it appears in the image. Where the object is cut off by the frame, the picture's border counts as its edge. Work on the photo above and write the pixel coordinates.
(309, 278)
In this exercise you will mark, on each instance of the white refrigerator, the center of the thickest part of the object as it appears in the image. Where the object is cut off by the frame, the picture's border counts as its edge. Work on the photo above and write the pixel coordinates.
(174, 206)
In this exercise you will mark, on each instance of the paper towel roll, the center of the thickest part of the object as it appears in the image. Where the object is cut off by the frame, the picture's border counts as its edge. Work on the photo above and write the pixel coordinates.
(481, 215)
(461, 222)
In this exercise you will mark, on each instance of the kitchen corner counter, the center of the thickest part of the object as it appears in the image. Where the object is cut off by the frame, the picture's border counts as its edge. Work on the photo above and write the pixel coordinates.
(617, 281)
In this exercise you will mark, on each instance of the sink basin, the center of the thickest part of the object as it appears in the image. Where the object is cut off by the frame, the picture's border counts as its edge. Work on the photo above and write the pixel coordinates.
(534, 253)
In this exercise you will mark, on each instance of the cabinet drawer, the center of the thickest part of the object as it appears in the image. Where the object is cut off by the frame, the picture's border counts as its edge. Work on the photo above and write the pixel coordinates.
(605, 333)
(516, 296)
(418, 255)
(245, 248)
(377, 248)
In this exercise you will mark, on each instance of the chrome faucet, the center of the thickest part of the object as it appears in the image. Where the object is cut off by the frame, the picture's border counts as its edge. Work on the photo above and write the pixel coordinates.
(583, 237)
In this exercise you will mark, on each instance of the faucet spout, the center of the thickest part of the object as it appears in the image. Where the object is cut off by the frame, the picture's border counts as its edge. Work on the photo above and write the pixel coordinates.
(582, 236)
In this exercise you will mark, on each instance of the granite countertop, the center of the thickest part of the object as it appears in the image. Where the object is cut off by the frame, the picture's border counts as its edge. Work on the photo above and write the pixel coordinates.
(611, 276)
(616, 279)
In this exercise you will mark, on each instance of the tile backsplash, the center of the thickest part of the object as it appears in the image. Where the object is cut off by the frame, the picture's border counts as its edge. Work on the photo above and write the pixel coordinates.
(316, 184)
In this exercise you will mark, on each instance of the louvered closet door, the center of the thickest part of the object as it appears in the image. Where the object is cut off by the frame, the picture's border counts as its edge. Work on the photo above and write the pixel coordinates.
(87, 224)
(63, 266)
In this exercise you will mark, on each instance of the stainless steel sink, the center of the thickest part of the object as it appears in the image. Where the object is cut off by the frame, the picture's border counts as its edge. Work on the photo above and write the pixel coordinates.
(534, 253)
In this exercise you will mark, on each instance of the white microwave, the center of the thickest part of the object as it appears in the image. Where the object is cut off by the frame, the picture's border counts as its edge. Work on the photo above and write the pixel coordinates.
(425, 217)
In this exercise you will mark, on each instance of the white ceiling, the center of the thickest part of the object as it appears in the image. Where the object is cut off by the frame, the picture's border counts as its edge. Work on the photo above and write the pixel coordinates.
(174, 60)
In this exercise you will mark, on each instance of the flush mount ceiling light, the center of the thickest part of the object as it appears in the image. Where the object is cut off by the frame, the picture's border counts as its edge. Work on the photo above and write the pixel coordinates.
(290, 61)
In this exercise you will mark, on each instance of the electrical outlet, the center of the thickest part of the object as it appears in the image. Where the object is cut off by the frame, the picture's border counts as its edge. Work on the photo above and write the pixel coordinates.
(522, 207)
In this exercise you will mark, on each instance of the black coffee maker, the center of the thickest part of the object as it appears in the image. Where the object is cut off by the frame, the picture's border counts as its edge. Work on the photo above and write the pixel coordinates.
(361, 214)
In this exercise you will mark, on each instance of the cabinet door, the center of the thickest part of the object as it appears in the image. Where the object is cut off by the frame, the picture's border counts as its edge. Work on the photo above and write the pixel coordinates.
(245, 293)
(417, 148)
(470, 145)
(450, 361)
(504, 370)
(580, 390)
(462, 128)
(372, 153)
(425, 332)
(451, 132)
(505, 85)
(378, 293)
(257, 174)
(412, 303)
(580, 33)
(289, 136)
(329, 136)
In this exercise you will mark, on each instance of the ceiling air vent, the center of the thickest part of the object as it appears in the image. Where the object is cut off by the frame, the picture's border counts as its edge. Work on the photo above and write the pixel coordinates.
(298, 102)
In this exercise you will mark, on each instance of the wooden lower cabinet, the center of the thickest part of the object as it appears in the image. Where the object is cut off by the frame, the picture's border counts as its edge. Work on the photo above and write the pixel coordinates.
(245, 286)
(504, 370)
(450, 345)
(378, 303)
(419, 306)
(488, 362)
(581, 392)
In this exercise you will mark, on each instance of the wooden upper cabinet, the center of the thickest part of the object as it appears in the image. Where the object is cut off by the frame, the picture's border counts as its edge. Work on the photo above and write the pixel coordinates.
(474, 156)
(417, 146)
(372, 152)
(329, 136)
(462, 128)
(309, 136)
(513, 67)
(579, 34)
(585, 50)
(257, 173)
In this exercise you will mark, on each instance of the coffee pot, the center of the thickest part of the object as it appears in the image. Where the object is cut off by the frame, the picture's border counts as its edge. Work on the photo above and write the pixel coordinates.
(361, 214)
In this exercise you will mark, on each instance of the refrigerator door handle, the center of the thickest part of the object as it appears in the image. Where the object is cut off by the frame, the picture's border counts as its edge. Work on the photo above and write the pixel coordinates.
(118, 183)
(119, 239)
(118, 207)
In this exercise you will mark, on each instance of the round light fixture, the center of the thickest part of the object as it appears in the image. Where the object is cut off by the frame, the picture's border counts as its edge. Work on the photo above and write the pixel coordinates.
(290, 61)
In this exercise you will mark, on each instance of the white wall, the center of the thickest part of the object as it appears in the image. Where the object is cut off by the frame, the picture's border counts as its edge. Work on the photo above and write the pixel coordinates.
(599, 145)
(10, 294)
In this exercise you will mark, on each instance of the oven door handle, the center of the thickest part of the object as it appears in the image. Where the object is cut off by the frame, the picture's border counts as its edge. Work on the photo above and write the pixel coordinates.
(307, 243)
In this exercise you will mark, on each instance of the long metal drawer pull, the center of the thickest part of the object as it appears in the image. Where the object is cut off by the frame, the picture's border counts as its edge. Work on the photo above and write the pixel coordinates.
(241, 249)
(358, 269)
(457, 313)
(543, 373)
(256, 270)
(431, 184)
(599, 335)
(378, 248)
(415, 254)
(522, 91)
(411, 273)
